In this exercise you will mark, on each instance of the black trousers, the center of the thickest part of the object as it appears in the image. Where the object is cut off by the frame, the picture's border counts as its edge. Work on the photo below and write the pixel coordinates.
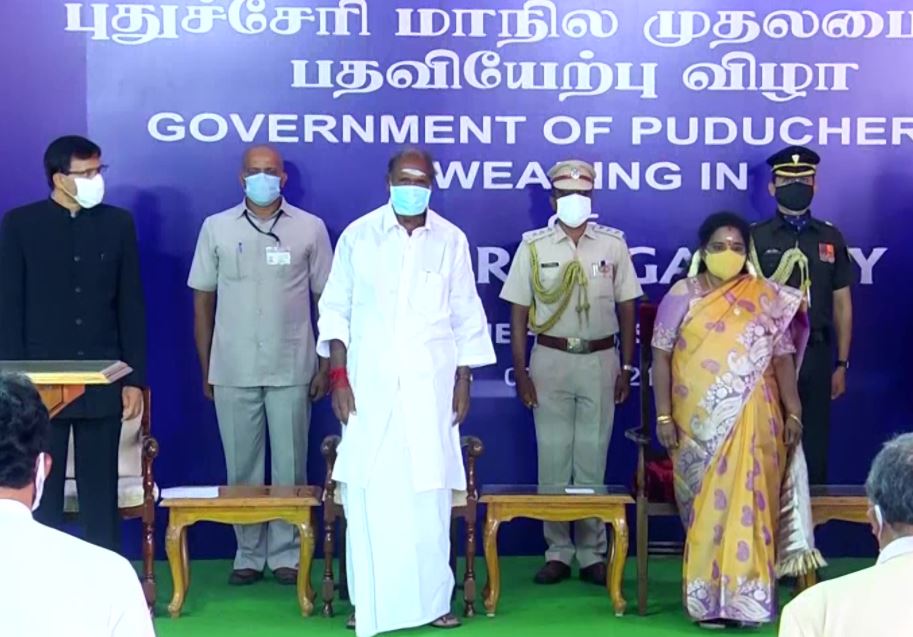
(815, 394)
(95, 448)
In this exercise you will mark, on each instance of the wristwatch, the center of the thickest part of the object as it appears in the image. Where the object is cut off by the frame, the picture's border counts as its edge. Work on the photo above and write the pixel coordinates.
(843, 364)
(630, 369)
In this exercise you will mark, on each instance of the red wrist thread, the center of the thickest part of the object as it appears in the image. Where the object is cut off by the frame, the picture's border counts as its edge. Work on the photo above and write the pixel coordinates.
(339, 378)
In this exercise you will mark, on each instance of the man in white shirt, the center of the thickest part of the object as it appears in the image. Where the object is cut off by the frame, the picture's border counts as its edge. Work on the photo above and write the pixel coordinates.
(52, 583)
(875, 602)
(402, 323)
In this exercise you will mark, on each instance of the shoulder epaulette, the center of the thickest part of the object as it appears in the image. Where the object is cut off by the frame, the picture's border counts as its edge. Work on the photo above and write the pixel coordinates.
(614, 232)
(534, 235)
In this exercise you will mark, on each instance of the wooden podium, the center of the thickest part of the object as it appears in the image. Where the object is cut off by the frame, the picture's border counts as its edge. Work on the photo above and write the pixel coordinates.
(62, 382)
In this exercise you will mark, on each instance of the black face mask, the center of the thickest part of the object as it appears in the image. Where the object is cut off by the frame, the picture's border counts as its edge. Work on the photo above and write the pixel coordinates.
(796, 196)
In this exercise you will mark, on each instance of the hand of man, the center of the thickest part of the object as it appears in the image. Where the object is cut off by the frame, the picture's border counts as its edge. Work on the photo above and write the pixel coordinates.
(207, 390)
(838, 383)
(667, 435)
(132, 398)
(526, 390)
(343, 403)
(320, 385)
(622, 387)
(460, 401)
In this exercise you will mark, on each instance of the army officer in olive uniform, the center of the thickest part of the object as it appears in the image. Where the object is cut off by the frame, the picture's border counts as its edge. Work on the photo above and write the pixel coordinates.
(797, 249)
(573, 284)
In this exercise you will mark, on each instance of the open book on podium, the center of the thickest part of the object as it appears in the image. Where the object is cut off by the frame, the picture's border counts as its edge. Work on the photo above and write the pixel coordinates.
(62, 382)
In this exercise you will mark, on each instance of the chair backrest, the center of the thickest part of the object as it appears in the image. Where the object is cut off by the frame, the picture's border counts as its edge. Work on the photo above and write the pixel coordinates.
(130, 453)
(646, 317)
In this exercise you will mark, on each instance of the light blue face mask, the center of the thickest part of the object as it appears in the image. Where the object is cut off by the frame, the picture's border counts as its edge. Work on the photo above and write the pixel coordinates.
(409, 201)
(262, 189)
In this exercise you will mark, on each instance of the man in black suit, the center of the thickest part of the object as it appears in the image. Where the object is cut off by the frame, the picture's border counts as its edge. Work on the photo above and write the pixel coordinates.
(70, 290)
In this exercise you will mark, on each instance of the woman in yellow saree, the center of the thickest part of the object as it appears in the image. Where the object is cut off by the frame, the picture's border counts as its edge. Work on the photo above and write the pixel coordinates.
(726, 348)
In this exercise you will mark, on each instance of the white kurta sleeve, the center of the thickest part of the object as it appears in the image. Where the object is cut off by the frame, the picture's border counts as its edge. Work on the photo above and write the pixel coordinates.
(335, 307)
(468, 320)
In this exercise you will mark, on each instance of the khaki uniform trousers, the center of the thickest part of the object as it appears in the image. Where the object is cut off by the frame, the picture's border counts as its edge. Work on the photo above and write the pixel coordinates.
(574, 419)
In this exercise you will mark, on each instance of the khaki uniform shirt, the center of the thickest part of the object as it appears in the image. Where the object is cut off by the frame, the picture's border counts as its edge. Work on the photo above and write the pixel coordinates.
(606, 262)
(263, 334)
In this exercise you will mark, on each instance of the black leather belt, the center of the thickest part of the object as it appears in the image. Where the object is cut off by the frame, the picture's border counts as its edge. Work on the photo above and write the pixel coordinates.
(576, 345)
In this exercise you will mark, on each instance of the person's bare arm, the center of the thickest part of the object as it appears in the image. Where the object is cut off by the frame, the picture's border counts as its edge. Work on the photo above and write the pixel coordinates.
(843, 328)
(519, 319)
(785, 371)
(662, 396)
(204, 321)
(627, 323)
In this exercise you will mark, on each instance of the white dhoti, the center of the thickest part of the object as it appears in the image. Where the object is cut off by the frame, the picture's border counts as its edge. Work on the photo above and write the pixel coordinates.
(398, 543)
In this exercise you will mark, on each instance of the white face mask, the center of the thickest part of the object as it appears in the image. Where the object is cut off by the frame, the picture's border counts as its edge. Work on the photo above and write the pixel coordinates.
(89, 192)
(575, 210)
(39, 482)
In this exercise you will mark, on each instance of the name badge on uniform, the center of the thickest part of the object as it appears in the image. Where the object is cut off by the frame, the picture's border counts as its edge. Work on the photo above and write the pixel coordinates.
(827, 253)
(277, 255)
(603, 269)
(550, 264)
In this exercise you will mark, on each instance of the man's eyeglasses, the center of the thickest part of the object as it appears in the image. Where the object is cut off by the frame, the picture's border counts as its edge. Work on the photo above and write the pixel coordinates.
(89, 173)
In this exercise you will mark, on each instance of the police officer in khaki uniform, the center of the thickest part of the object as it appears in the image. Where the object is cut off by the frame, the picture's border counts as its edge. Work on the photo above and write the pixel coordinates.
(572, 284)
(795, 248)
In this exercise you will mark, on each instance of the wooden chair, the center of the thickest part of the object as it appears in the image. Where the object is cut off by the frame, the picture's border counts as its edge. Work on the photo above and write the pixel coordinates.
(136, 489)
(465, 507)
(648, 502)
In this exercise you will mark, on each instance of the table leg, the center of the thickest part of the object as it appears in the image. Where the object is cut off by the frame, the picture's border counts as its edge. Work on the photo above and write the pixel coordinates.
(185, 560)
(305, 594)
(617, 559)
(175, 561)
(493, 586)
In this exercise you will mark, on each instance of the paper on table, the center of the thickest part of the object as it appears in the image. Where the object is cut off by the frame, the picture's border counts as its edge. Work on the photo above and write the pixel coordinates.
(190, 493)
(579, 491)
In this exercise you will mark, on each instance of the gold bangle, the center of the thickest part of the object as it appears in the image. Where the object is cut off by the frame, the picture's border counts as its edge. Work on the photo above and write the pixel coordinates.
(664, 419)
(796, 418)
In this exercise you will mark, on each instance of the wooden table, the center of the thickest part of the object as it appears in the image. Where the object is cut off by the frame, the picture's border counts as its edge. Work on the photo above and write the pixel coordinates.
(242, 505)
(554, 504)
(848, 503)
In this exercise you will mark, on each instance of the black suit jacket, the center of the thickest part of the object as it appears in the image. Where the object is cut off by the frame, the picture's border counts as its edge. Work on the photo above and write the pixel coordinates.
(70, 289)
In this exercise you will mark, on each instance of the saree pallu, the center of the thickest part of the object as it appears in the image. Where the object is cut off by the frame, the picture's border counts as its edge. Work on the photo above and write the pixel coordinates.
(742, 495)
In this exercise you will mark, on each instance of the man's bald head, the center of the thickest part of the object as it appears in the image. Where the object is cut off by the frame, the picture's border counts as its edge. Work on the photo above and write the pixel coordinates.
(261, 157)
(265, 160)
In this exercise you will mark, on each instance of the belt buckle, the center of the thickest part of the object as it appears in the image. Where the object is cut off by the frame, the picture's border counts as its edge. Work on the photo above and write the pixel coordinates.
(576, 346)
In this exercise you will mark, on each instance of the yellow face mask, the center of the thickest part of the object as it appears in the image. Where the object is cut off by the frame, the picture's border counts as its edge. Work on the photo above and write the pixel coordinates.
(724, 265)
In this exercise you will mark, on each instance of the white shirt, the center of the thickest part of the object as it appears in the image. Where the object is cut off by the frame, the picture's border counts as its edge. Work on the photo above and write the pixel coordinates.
(875, 602)
(407, 309)
(55, 584)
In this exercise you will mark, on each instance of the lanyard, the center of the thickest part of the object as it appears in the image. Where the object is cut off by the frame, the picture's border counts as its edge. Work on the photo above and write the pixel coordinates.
(268, 233)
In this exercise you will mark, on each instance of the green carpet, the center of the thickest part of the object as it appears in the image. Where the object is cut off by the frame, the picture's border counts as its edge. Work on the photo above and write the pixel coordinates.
(269, 610)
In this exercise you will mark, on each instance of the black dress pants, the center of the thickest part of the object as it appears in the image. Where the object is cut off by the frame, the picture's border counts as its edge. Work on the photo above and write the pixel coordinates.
(96, 442)
(815, 394)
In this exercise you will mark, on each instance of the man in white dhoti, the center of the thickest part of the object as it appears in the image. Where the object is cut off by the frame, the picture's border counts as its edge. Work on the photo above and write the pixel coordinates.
(402, 323)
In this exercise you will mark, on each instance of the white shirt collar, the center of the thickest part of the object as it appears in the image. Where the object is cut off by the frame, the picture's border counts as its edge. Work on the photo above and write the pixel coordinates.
(898, 548)
(389, 220)
(14, 508)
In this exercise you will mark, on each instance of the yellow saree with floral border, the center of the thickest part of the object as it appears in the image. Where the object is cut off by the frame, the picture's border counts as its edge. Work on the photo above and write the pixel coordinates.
(742, 495)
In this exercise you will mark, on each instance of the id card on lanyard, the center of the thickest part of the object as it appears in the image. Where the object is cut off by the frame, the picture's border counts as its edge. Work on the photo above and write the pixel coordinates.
(276, 255)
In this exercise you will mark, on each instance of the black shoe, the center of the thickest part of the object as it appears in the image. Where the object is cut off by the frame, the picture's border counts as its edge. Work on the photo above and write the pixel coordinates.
(286, 576)
(552, 573)
(594, 574)
(244, 577)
